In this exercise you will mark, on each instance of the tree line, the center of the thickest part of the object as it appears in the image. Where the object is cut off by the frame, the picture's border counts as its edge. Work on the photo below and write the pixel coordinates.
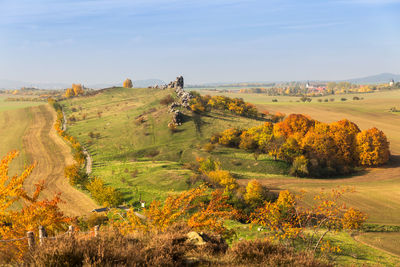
(313, 148)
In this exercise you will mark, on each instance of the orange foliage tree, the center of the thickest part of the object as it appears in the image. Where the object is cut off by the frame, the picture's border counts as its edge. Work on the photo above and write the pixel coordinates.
(188, 207)
(34, 212)
(287, 220)
(372, 147)
(312, 147)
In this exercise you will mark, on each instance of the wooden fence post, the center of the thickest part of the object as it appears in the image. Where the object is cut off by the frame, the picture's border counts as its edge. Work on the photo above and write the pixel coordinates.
(96, 230)
(31, 239)
(71, 229)
(42, 234)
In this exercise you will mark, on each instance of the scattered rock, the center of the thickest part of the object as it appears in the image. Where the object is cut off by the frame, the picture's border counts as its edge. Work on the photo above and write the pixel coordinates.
(195, 238)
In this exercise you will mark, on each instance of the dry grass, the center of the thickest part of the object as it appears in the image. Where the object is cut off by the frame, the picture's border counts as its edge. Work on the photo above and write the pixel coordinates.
(171, 248)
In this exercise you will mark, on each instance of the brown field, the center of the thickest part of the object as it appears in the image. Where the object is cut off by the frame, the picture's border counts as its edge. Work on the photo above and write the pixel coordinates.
(42, 144)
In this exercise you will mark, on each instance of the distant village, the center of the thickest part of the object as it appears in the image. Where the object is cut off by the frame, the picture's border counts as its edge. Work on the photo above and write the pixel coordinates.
(310, 88)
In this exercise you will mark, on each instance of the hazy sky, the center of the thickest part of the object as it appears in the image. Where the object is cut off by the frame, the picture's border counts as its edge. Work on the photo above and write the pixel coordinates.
(101, 41)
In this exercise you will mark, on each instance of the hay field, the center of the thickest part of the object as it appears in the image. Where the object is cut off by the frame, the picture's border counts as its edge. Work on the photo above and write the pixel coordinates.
(30, 130)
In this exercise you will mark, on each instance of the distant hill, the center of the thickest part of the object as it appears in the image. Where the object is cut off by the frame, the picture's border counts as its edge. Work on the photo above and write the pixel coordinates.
(380, 78)
(10, 84)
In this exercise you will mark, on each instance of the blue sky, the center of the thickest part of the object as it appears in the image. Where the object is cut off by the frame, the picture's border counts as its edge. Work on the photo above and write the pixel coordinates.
(105, 41)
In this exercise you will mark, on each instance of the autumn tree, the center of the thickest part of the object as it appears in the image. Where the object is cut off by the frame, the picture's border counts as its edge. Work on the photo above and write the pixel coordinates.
(188, 207)
(255, 193)
(372, 147)
(103, 194)
(230, 137)
(34, 212)
(77, 88)
(294, 123)
(344, 134)
(287, 220)
(69, 93)
(127, 83)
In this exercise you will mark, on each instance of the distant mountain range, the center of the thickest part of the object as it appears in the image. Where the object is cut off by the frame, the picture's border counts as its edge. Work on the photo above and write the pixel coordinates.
(9, 84)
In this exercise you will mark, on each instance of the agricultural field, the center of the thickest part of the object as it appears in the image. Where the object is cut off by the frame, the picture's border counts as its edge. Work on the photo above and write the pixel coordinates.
(28, 128)
(11, 133)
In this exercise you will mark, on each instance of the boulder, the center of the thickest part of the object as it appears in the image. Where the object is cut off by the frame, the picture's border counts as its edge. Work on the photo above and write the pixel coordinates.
(195, 238)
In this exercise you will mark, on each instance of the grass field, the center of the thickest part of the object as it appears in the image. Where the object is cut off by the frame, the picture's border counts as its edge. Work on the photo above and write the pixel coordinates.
(386, 241)
(15, 117)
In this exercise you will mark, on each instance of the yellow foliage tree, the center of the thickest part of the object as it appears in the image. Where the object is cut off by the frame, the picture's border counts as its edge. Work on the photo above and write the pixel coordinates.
(254, 193)
(69, 92)
(127, 83)
(223, 178)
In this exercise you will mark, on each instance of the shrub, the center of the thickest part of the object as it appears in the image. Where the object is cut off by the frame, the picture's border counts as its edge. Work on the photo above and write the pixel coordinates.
(140, 120)
(209, 147)
(173, 127)
(167, 100)
(230, 137)
(112, 249)
(75, 174)
(300, 167)
(104, 195)
(265, 253)
(255, 193)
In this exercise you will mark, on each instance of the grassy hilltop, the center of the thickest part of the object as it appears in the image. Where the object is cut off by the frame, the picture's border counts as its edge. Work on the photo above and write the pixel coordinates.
(142, 157)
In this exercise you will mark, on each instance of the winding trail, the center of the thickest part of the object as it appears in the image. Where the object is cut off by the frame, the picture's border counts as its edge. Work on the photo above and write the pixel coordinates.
(43, 145)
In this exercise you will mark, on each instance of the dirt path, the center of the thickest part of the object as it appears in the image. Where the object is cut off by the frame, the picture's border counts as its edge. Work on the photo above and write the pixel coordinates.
(43, 145)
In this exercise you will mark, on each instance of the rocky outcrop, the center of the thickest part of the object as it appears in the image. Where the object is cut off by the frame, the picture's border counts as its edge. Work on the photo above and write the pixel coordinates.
(184, 100)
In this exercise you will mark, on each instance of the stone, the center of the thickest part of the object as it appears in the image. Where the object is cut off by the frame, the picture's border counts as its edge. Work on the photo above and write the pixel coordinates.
(195, 238)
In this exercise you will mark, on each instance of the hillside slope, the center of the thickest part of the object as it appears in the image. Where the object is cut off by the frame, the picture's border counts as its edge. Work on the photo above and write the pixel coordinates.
(143, 158)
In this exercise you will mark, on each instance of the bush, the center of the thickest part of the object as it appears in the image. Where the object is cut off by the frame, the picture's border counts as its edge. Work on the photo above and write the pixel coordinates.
(75, 174)
(104, 195)
(140, 120)
(173, 127)
(300, 167)
(167, 100)
(264, 253)
(209, 147)
(112, 249)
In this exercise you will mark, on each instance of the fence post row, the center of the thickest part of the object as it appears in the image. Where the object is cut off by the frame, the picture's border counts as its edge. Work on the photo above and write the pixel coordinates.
(31, 239)
(43, 235)
(71, 230)
(96, 230)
